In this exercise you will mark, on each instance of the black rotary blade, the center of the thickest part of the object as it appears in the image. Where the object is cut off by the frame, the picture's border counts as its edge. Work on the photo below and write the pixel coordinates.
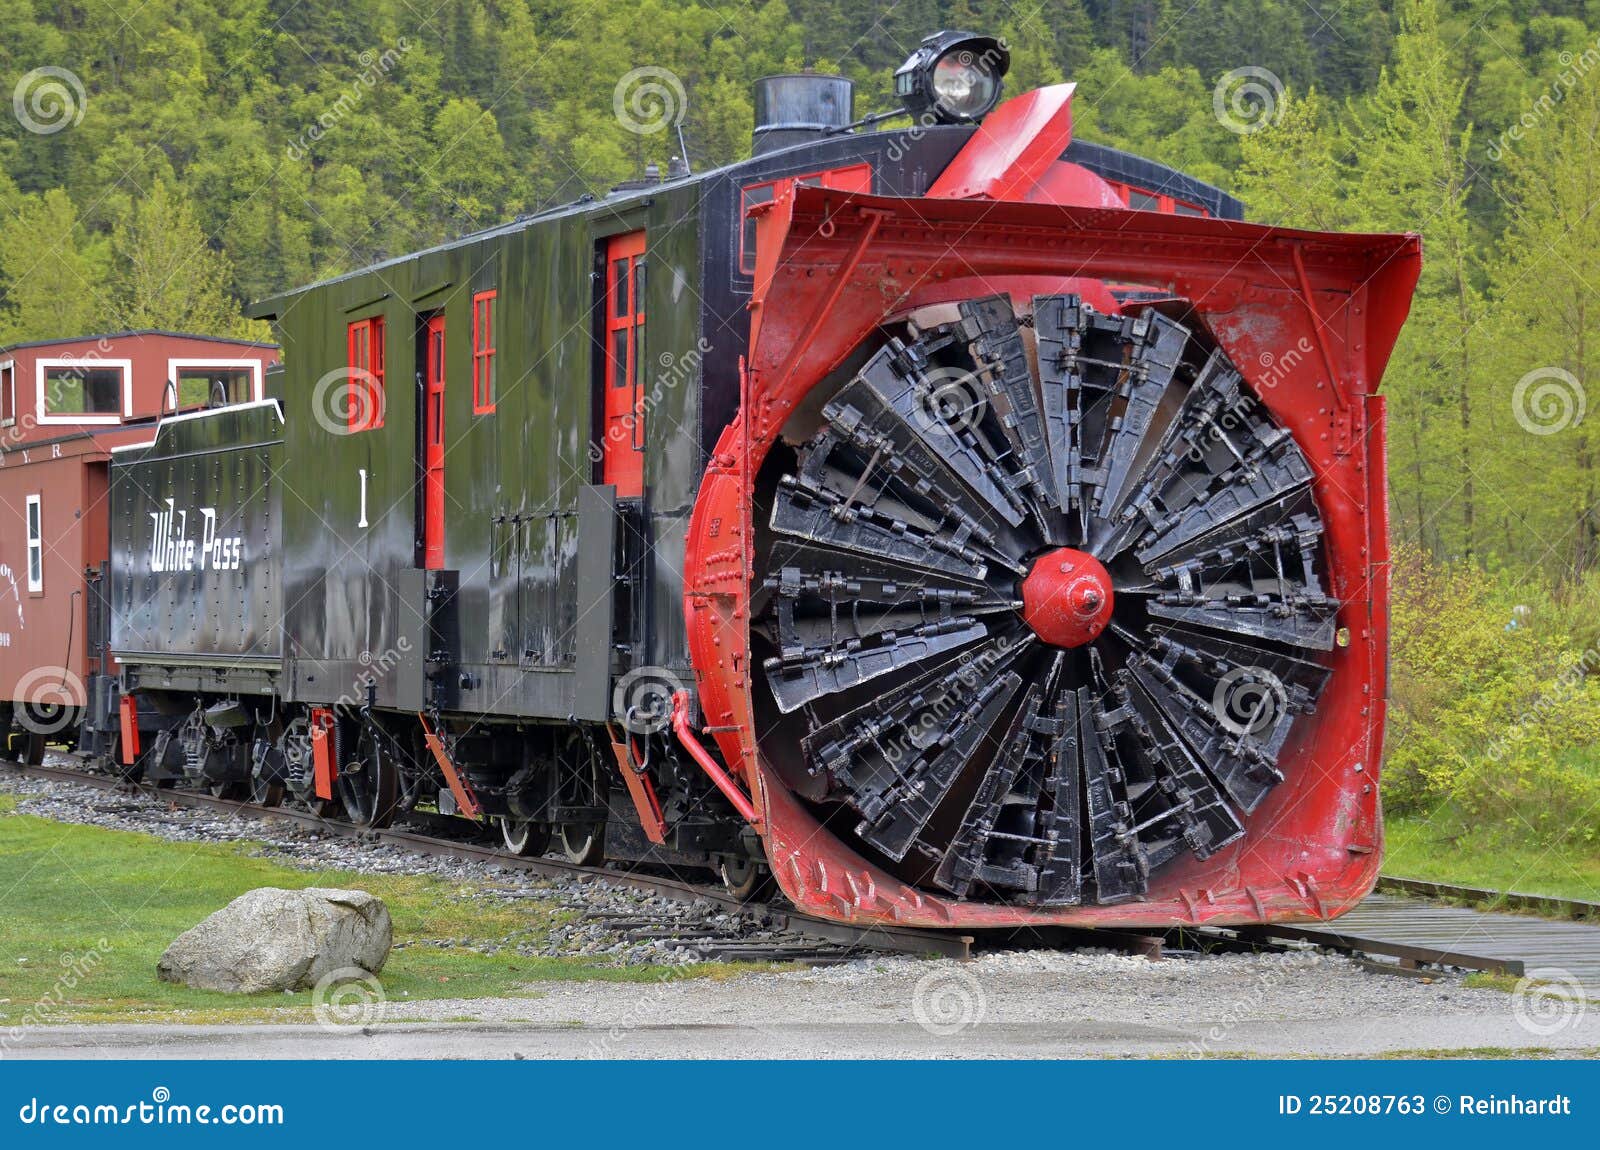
(956, 747)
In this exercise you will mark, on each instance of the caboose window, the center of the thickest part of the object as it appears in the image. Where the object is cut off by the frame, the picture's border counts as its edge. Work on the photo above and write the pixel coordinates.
(8, 395)
(365, 398)
(198, 386)
(1143, 201)
(483, 395)
(855, 178)
(83, 391)
(35, 545)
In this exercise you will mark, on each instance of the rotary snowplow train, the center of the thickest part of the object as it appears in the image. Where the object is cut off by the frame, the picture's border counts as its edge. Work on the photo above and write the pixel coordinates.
(959, 526)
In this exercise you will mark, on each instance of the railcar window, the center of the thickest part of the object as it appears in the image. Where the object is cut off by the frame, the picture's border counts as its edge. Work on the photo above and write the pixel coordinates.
(197, 384)
(483, 391)
(35, 545)
(1184, 209)
(365, 396)
(619, 295)
(83, 390)
(1143, 201)
(8, 395)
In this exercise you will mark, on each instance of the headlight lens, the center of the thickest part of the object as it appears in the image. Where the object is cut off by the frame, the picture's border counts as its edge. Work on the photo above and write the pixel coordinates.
(965, 86)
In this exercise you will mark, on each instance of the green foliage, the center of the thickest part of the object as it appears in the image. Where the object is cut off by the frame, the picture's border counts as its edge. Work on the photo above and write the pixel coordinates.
(1494, 708)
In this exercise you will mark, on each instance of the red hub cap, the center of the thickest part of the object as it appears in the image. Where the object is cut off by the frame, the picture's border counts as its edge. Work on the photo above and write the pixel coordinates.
(1066, 598)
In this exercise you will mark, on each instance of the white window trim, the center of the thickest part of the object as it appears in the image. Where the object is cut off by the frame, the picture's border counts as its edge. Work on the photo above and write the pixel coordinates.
(253, 364)
(34, 585)
(11, 366)
(41, 367)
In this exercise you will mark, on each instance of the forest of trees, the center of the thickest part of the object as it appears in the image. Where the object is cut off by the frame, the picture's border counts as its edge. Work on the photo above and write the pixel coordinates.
(168, 160)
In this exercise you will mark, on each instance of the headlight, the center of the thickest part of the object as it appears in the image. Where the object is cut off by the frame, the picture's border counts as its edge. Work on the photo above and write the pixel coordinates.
(954, 76)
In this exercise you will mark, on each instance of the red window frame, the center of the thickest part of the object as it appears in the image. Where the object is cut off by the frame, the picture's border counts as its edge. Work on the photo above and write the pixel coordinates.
(8, 394)
(851, 178)
(366, 394)
(1168, 205)
(483, 396)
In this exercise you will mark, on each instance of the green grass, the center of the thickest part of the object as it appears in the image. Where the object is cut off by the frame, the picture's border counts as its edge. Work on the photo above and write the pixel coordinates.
(1447, 849)
(64, 888)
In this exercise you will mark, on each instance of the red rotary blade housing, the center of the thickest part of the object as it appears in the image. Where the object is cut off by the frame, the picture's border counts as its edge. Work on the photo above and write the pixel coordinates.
(1307, 319)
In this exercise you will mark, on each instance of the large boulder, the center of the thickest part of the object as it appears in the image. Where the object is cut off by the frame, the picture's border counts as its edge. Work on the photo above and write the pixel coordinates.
(271, 939)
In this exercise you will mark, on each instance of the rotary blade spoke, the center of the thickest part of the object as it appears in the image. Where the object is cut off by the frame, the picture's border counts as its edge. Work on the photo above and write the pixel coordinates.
(1011, 837)
(1201, 821)
(840, 574)
(998, 350)
(799, 674)
(1226, 459)
(1257, 578)
(893, 411)
(846, 749)
(1233, 705)
(1102, 378)
(895, 812)
(1116, 862)
(827, 517)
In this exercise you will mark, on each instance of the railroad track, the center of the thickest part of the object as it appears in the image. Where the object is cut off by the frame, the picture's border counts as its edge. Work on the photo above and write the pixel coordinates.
(1402, 929)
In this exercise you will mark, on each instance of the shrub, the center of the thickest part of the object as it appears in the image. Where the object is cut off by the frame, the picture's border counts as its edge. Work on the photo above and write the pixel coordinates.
(1495, 701)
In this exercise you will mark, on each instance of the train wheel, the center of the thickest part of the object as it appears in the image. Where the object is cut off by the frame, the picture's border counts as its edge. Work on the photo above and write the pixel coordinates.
(368, 782)
(746, 879)
(524, 837)
(1037, 602)
(266, 794)
(582, 786)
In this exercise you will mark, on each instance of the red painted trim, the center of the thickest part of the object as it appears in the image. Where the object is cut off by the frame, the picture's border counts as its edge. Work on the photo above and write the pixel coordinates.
(640, 789)
(324, 761)
(691, 743)
(366, 394)
(466, 798)
(128, 715)
(483, 350)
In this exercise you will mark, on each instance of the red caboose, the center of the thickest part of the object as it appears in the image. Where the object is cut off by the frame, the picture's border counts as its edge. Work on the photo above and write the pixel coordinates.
(64, 405)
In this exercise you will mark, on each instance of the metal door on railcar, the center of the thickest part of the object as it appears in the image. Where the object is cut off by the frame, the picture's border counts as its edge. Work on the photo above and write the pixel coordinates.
(623, 456)
(433, 379)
